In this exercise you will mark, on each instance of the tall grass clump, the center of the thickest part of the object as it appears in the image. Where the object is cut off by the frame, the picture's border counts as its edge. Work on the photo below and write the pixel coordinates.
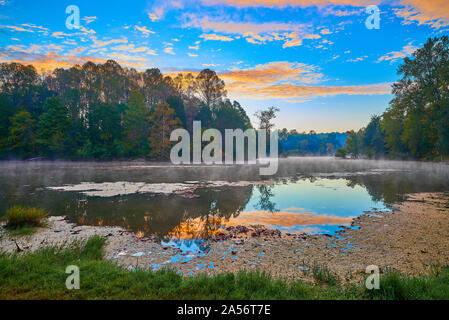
(22, 217)
(322, 274)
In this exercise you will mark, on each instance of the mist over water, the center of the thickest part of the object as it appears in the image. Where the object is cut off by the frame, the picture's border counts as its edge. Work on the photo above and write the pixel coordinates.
(310, 194)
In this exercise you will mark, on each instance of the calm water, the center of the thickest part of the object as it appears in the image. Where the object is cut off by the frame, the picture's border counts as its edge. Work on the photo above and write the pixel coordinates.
(313, 195)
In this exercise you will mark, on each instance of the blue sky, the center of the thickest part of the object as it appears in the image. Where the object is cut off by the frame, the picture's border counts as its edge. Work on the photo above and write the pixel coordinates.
(315, 59)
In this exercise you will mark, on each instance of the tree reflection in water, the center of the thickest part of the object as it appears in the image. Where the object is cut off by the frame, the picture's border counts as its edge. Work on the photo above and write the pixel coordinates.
(265, 203)
(178, 217)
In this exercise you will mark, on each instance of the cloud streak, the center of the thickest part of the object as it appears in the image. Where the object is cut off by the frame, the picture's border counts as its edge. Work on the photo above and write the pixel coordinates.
(395, 55)
(434, 13)
(290, 3)
(292, 34)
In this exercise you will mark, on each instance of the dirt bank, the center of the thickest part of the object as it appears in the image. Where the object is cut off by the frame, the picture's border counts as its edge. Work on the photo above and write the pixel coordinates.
(410, 238)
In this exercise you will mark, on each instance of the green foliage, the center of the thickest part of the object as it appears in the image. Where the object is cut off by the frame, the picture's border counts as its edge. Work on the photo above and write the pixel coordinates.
(341, 153)
(22, 139)
(230, 116)
(322, 274)
(309, 143)
(394, 286)
(17, 217)
(417, 121)
(45, 279)
(53, 128)
(101, 111)
(136, 126)
(373, 139)
(177, 105)
(105, 130)
(205, 115)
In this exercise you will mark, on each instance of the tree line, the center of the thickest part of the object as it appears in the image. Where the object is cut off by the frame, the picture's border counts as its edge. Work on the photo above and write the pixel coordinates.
(105, 111)
(312, 143)
(416, 124)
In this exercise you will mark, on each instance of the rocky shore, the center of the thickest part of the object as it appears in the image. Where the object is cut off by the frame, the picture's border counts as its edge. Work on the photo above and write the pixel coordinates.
(410, 238)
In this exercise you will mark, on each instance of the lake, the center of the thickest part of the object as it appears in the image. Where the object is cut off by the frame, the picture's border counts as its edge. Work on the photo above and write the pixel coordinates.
(311, 195)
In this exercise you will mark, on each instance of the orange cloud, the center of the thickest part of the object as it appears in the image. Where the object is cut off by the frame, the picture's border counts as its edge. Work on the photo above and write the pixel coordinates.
(282, 80)
(90, 19)
(296, 40)
(293, 91)
(99, 43)
(52, 60)
(203, 228)
(144, 30)
(291, 3)
(130, 48)
(20, 29)
(232, 27)
(287, 219)
(256, 33)
(341, 13)
(430, 12)
(169, 50)
(273, 72)
(153, 17)
(215, 37)
(394, 55)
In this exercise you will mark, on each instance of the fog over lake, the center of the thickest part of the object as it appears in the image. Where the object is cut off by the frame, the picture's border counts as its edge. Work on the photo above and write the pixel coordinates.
(312, 195)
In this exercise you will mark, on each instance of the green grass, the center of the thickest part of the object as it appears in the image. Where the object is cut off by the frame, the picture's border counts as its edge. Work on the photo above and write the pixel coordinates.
(394, 286)
(41, 275)
(23, 220)
(322, 274)
(21, 231)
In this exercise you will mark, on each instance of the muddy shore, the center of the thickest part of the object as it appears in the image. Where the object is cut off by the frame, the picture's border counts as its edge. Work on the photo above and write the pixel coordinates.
(410, 238)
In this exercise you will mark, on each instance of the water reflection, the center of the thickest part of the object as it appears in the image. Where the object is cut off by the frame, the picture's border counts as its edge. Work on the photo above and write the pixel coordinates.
(307, 198)
(265, 203)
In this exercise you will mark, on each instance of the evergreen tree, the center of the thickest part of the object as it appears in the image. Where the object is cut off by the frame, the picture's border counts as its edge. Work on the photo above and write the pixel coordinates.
(21, 139)
(135, 126)
(53, 128)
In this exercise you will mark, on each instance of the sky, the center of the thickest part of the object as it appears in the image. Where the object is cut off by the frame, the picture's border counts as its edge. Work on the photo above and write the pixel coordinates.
(315, 60)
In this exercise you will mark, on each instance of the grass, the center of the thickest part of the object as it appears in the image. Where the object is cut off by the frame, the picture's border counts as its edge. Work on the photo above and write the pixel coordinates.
(41, 275)
(394, 286)
(322, 274)
(24, 220)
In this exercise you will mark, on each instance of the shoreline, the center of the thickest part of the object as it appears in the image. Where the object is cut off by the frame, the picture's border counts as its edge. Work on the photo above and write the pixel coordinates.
(410, 239)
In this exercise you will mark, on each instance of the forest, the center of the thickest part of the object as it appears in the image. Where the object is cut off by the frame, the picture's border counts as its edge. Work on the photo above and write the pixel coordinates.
(312, 143)
(104, 111)
(416, 124)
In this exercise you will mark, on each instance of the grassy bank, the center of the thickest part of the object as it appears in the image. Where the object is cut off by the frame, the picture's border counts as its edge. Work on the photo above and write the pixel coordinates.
(41, 275)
